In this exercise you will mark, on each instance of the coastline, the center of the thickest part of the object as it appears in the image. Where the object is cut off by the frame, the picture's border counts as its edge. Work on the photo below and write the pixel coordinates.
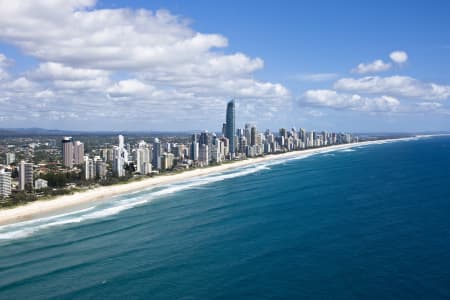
(40, 208)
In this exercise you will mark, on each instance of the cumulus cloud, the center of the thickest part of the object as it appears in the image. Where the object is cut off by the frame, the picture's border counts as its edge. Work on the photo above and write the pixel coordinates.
(399, 57)
(4, 61)
(316, 77)
(335, 100)
(373, 67)
(402, 86)
(57, 71)
(315, 113)
(102, 63)
(429, 106)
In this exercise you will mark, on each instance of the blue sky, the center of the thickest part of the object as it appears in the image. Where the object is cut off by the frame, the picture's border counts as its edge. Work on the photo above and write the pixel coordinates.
(171, 65)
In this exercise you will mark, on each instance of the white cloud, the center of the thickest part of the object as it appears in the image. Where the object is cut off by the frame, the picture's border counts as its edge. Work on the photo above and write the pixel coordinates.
(57, 71)
(335, 100)
(402, 86)
(373, 67)
(315, 113)
(110, 63)
(399, 57)
(429, 106)
(316, 77)
(113, 39)
(4, 63)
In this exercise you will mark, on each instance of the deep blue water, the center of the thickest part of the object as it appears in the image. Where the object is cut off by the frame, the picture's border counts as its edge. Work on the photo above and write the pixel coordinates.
(373, 223)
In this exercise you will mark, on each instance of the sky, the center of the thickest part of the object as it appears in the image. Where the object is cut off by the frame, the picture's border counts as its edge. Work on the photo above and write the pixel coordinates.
(354, 66)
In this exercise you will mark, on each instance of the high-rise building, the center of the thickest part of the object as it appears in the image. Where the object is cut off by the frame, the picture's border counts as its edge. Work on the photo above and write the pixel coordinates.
(206, 138)
(67, 151)
(5, 184)
(203, 155)
(10, 158)
(167, 160)
(89, 168)
(230, 127)
(101, 169)
(120, 158)
(156, 157)
(193, 149)
(78, 153)
(143, 165)
(25, 175)
(253, 135)
(121, 141)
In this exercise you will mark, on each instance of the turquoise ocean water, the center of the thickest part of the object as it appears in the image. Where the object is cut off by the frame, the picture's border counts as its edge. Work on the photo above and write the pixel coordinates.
(370, 222)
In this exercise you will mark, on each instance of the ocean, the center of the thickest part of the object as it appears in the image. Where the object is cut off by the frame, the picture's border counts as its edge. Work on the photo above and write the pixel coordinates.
(369, 222)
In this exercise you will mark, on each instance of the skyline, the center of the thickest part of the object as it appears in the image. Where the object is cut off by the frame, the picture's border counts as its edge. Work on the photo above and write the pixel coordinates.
(173, 69)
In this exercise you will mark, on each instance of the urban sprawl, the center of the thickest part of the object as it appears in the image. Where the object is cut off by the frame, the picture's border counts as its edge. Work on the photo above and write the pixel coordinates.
(43, 169)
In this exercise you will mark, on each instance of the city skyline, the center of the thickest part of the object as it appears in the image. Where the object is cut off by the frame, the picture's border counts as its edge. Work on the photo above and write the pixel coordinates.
(169, 66)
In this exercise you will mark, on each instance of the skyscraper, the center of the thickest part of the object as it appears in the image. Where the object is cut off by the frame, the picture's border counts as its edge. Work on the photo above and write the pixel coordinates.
(230, 127)
(194, 147)
(143, 165)
(10, 158)
(25, 175)
(156, 157)
(203, 155)
(120, 158)
(78, 153)
(253, 135)
(5, 184)
(67, 151)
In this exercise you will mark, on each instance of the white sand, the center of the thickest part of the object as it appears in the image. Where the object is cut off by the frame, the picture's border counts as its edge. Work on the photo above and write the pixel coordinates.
(44, 207)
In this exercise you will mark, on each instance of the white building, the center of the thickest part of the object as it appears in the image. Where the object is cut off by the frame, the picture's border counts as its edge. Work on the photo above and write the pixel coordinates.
(167, 160)
(143, 163)
(10, 158)
(120, 158)
(5, 184)
(90, 168)
(40, 184)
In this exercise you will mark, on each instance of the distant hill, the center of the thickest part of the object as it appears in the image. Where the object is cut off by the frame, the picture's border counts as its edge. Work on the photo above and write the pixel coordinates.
(15, 132)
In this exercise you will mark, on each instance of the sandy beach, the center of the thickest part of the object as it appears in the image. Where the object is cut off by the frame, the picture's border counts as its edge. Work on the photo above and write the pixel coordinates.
(45, 207)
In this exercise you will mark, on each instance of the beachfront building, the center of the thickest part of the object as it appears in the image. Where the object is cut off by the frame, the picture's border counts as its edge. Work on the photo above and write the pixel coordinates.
(156, 161)
(203, 155)
(89, 168)
(120, 158)
(5, 184)
(67, 151)
(231, 128)
(194, 148)
(167, 160)
(25, 175)
(101, 169)
(40, 184)
(143, 165)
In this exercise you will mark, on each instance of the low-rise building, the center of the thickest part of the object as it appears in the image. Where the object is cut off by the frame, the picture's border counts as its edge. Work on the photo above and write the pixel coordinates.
(40, 184)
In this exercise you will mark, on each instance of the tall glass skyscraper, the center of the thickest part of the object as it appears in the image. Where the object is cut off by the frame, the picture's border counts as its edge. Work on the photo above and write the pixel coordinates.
(230, 127)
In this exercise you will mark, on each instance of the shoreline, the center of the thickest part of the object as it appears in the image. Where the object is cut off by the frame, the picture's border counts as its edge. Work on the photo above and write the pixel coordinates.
(71, 202)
